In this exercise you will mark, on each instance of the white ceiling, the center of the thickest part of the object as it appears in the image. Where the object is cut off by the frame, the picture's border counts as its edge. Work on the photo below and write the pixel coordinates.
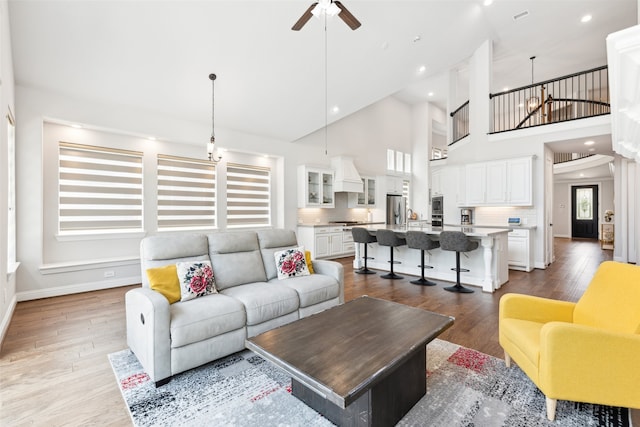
(157, 54)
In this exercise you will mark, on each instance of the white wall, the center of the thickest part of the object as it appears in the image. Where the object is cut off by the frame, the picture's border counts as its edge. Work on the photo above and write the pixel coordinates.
(562, 203)
(50, 267)
(7, 281)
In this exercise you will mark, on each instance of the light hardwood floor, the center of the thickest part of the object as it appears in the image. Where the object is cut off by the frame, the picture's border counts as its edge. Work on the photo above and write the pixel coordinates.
(54, 368)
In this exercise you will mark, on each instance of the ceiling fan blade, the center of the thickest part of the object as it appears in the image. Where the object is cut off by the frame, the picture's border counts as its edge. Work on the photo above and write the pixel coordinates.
(347, 17)
(304, 18)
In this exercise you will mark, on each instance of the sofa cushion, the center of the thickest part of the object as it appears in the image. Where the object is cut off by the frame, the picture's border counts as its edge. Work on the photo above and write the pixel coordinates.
(160, 251)
(291, 263)
(312, 289)
(235, 258)
(202, 318)
(264, 301)
(196, 279)
(272, 241)
(165, 280)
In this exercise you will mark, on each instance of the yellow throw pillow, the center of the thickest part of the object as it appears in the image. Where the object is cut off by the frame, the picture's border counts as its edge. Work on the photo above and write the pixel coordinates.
(165, 280)
(307, 258)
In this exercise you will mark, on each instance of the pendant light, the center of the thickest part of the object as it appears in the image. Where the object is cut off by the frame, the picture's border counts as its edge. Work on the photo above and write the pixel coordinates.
(534, 101)
(211, 145)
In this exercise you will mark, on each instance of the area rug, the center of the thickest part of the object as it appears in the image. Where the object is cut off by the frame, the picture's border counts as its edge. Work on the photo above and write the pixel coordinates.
(464, 388)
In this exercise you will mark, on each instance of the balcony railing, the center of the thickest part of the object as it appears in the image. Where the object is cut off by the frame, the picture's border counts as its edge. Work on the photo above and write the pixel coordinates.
(576, 96)
(568, 157)
(460, 123)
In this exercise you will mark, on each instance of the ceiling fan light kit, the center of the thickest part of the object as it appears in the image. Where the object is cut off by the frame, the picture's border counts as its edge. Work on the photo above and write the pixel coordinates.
(327, 8)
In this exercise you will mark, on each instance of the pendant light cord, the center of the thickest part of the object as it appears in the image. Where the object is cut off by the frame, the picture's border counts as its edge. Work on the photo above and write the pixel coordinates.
(326, 87)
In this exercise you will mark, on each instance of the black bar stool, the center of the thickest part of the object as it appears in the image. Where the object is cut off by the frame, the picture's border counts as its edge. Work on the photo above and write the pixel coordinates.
(459, 242)
(362, 235)
(420, 240)
(391, 239)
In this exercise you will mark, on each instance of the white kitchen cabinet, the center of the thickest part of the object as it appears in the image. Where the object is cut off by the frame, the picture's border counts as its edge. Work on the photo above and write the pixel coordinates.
(315, 187)
(519, 182)
(326, 241)
(366, 199)
(393, 184)
(499, 183)
(436, 181)
(520, 250)
(476, 181)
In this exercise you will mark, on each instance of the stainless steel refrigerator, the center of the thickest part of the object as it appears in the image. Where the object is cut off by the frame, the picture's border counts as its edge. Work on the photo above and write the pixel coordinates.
(396, 209)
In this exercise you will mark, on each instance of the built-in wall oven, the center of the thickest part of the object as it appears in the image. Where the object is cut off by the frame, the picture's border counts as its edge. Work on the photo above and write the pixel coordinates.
(437, 211)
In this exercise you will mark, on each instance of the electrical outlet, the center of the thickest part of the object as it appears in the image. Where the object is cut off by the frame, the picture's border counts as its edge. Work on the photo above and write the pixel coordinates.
(110, 273)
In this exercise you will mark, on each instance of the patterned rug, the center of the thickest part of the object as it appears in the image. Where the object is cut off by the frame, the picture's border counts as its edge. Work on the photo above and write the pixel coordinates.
(464, 388)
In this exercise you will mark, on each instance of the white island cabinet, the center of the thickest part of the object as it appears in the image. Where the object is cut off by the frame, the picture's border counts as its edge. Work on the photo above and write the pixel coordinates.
(488, 265)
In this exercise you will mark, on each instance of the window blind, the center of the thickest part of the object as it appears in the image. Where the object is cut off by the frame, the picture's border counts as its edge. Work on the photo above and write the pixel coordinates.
(248, 195)
(99, 189)
(406, 191)
(186, 193)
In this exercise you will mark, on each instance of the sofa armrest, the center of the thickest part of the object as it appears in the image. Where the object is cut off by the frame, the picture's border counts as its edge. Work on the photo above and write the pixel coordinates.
(535, 309)
(148, 334)
(333, 269)
(588, 364)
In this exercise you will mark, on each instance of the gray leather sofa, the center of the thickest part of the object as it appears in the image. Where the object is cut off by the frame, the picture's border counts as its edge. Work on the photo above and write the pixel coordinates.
(169, 339)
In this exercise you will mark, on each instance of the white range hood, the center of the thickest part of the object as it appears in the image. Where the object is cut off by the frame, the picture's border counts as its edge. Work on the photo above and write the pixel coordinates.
(346, 176)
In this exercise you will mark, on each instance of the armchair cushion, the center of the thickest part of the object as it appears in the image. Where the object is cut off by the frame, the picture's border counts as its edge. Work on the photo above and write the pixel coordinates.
(612, 300)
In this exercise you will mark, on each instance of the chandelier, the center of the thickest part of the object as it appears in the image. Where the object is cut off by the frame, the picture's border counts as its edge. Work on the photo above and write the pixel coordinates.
(533, 103)
(211, 145)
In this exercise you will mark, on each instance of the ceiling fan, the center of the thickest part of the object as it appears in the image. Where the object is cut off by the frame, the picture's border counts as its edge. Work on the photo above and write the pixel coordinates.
(328, 7)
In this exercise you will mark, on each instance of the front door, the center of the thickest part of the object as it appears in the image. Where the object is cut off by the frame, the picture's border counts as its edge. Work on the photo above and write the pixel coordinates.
(584, 208)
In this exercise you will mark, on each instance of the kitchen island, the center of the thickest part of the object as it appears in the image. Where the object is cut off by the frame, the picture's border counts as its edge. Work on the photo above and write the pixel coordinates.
(487, 265)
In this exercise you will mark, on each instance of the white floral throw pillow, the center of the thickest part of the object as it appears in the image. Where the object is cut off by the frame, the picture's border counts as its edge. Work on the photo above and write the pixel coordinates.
(291, 263)
(196, 279)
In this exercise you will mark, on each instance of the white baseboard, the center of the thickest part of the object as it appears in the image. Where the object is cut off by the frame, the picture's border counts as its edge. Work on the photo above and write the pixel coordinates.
(77, 288)
(7, 319)
(562, 235)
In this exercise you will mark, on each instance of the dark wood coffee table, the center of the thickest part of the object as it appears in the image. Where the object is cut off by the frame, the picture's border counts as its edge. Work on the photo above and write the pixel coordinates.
(362, 363)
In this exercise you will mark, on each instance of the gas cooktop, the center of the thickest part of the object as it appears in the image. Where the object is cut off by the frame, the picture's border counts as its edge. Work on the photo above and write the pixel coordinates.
(346, 222)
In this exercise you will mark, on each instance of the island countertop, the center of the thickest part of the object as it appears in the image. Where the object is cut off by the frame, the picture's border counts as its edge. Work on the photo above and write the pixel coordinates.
(428, 229)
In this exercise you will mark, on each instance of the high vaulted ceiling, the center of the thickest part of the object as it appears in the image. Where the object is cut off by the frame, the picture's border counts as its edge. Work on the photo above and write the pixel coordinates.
(157, 55)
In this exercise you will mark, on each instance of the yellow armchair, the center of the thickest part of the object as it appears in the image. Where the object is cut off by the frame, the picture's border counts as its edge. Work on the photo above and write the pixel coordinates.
(587, 351)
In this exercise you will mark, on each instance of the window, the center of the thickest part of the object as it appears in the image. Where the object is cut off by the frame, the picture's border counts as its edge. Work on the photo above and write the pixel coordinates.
(99, 189)
(391, 163)
(584, 201)
(186, 193)
(406, 191)
(248, 195)
(11, 191)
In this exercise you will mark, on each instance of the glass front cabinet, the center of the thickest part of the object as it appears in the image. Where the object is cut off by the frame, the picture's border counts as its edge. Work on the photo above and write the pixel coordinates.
(366, 199)
(315, 187)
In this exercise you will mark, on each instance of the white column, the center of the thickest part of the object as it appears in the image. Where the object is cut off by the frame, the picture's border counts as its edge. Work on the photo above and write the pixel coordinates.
(489, 274)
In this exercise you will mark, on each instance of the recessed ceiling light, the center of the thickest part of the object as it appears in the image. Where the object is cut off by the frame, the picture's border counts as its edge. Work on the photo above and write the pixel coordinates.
(76, 126)
(487, 2)
(335, 109)
(417, 38)
(430, 94)
(586, 18)
(589, 143)
(152, 138)
(422, 69)
(581, 175)
(506, 88)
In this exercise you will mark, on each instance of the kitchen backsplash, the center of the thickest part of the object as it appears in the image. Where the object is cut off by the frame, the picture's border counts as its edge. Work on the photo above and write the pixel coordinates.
(500, 216)
(341, 212)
